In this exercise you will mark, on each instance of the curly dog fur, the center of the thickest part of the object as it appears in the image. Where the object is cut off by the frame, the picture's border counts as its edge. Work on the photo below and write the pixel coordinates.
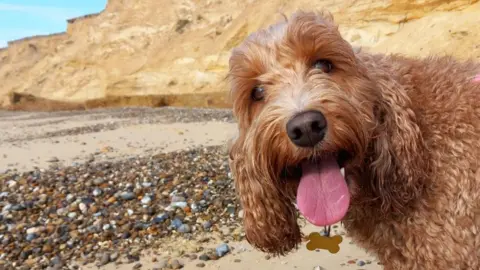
(411, 128)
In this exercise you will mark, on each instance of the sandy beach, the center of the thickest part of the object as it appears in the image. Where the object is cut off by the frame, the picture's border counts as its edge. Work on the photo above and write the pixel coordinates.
(35, 148)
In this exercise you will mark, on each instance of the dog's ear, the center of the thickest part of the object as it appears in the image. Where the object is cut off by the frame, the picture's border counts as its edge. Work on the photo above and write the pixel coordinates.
(270, 218)
(398, 159)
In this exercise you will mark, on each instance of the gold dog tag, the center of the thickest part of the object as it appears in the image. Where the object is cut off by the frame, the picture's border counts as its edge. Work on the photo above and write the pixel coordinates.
(318, 241)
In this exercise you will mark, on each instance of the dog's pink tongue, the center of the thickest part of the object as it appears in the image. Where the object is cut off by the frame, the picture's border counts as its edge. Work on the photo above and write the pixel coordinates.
(323, 196)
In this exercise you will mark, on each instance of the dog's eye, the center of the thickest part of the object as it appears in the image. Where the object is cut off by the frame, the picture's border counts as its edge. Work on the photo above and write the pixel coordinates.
(324, 65)
(258, 93)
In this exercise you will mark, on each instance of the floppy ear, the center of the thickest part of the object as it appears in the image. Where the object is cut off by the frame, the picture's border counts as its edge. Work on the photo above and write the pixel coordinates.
(398, 160)
(270, 218)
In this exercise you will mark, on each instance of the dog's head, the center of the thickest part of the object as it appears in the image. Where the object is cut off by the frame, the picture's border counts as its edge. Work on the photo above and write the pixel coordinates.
(305, 107)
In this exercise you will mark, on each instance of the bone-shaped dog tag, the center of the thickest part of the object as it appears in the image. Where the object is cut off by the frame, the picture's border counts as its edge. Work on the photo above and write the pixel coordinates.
(318, 241)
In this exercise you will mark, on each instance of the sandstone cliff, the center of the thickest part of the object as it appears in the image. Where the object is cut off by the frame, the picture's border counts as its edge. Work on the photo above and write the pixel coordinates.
(161, 52)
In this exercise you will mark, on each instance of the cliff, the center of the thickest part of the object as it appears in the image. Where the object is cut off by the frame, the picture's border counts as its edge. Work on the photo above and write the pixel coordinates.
(163, 52)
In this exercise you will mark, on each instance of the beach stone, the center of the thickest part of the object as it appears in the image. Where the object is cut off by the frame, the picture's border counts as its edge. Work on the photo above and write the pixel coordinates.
(47, 248)
(104, 259)
(200, 265)
(222, 250)
(179, 205)
(162, 264)
(207, 225)
(204, 257)
(184, 228)
(114, 256)
(42, 199)
(176, 223)
(98, 181)
(35, 230)
(31, 237)
(97, 192)
(178, 198)
(127, 196)
(160, 218)
(175, 264)
(213, 256)
(146, 200)
(83, 207)
(53, 160)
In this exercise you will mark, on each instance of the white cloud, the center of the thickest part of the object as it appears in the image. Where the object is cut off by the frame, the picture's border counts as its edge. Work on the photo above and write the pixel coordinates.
(3, 43)
(52, 13)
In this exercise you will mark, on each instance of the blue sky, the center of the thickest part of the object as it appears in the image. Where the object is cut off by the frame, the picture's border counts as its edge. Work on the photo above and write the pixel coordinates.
(22, 18)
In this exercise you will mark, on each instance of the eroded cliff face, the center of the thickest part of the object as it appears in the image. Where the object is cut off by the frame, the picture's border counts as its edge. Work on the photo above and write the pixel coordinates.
(158, 47)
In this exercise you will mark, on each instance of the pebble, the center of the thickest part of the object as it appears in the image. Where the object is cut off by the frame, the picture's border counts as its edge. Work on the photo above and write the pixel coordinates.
(146, 184)
(53, 159)
(204, 257)
(176, 223)
(222, 250)
(137, 266)
(11, 184)
(42, 199)
(184, 228)
(82, 207)
(178, 204)
(360, 263)
(127, 196)
(161, 265)
(105, 259)
(146, 200)
(318, 268)
(160, 218)
(69, 198)
(114, 256)
(35, 230)
(98, 181)
(97, 192)
(3, 195)
(207, 225)
(31, 237)
(177, 198)
(200, 265)
(175, 264)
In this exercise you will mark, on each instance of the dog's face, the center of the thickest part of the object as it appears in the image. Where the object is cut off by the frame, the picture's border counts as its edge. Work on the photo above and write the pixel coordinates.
(304, 106)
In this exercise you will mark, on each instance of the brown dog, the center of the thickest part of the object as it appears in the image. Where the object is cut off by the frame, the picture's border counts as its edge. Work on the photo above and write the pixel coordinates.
(406, 131)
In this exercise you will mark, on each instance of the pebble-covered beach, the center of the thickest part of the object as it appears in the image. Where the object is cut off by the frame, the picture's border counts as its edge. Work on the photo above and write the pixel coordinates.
(51, 217)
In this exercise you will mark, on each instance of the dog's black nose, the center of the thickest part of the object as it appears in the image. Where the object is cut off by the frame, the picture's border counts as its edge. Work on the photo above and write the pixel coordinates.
(307, 128)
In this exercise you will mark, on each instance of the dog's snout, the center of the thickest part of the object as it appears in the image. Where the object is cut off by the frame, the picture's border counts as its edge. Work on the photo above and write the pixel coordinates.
(307, 128)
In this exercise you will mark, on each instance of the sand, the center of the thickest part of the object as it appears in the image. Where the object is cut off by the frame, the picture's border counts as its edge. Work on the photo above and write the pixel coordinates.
(31, 140)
